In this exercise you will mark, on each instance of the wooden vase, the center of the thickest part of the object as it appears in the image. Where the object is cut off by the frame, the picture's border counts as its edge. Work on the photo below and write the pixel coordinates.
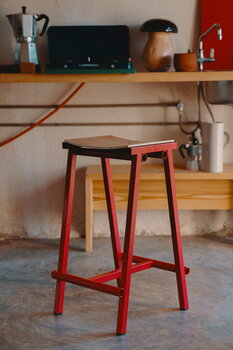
(158, 53)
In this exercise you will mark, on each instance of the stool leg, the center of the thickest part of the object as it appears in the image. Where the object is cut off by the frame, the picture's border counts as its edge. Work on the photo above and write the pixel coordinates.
(128, 244)
(65, 231)
(175, 229)
(89, 214)
(116, 246)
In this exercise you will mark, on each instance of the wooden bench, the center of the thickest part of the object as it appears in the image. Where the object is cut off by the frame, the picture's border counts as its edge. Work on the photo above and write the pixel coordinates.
(195, 190)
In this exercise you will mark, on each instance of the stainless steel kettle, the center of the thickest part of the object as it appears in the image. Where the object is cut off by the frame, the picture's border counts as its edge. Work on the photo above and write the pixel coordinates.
(25, 30)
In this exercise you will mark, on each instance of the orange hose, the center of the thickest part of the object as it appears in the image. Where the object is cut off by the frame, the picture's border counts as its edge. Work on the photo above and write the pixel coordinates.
(43, 119)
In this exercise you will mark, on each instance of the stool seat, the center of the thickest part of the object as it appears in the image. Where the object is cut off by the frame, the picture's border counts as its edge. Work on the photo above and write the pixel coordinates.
(113, 147)
(126, 263)
(111, 142)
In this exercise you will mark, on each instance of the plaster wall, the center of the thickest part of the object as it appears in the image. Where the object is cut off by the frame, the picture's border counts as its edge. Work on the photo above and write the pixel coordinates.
(33, 167)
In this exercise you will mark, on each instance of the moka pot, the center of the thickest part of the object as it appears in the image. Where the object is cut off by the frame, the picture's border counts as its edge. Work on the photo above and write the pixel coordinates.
(25, 29)
(190, 152)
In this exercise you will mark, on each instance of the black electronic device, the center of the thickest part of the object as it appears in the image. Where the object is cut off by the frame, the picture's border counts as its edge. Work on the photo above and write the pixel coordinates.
(81, 49)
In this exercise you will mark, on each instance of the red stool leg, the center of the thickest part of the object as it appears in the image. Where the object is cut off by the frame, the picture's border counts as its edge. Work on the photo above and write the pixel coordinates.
(65, 231)
(175, 229)
(116, 246)
(128, 244)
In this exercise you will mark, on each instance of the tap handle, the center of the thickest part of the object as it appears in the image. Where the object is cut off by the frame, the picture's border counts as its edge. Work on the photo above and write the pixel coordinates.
(219, 33)
(212, 53)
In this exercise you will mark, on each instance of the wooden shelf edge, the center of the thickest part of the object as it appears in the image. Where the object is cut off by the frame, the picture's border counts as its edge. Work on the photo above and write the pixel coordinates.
(155, 172)
(141, 77)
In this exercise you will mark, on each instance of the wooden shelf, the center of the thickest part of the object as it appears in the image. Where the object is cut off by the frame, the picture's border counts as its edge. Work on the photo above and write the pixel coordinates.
(142, 77)
(156, 172)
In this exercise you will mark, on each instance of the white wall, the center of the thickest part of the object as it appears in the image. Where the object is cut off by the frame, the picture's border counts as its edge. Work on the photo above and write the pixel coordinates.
(33, 167)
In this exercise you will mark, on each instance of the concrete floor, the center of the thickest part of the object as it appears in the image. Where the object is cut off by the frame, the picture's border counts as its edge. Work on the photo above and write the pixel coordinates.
(89, 318)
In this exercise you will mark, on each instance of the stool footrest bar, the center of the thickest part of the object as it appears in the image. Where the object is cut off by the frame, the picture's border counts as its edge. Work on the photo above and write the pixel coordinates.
(111, 275)
(107, 276)
(88, 283)
(159, 264)
(141, 265)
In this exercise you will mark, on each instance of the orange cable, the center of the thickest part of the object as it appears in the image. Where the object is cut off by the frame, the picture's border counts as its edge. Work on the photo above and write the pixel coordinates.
(43, 119)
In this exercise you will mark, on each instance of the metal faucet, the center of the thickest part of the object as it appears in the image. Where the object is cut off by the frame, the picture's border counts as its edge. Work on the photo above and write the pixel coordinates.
(201, 58)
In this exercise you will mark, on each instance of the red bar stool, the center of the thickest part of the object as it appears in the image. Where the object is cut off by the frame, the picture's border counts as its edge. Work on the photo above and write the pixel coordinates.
(106, 148)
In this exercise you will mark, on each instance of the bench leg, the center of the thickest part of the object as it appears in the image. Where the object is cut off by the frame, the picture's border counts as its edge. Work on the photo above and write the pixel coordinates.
(128, 245)
(175, 230)
(65, 231)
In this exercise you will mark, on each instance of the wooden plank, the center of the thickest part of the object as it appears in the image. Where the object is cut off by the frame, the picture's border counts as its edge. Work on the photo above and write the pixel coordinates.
(107, 142)
(205, 194)
(195, 190)
(197, 195)
(141, 77)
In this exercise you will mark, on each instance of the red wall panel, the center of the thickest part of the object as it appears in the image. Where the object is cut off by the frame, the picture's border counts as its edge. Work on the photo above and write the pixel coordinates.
(218, 11)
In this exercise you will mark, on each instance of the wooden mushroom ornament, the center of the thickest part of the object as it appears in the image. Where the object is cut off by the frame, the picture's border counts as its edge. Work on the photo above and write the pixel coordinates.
(158, 53)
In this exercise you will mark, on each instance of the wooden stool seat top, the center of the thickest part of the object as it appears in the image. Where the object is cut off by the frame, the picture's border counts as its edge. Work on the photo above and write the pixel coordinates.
(111, 142)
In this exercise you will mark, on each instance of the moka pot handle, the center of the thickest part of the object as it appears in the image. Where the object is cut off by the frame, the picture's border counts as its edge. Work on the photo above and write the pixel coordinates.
(183, 147)
(46, 18)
